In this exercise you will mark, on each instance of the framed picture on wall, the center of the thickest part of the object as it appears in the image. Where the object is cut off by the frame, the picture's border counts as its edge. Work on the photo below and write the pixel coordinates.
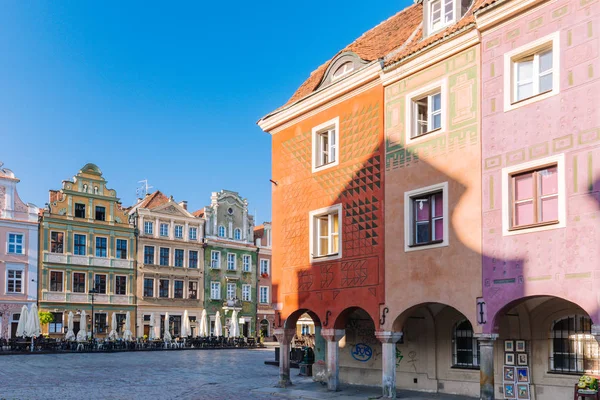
(523, 391)
(520, 344)
(509, 358)
(509, 345)
(509, 374)
(522, 374)
(509, 391)
(521, 358)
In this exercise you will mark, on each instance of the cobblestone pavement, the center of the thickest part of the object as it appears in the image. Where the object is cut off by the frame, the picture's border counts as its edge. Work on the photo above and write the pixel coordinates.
(188, 374)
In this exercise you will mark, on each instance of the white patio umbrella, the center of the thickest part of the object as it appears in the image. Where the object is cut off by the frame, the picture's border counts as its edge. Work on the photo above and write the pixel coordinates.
(218, 326)
(157, 326)
(235, 328)
(167, 336)
(127, 334)
(151, 330)
(112, 335)
(35, 329)
(82, 334)
(70, 334)
(22, 325)
(185, 325)
(203, 328)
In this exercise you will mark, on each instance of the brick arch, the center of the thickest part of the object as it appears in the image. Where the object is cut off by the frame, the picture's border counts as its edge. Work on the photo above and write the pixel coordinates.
(292, 319)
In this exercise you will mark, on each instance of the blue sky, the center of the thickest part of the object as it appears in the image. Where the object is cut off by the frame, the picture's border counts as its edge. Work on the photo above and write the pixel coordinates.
(165, 93)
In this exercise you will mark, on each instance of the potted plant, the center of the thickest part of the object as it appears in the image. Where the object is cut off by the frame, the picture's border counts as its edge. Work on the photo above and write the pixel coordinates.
(46, 317)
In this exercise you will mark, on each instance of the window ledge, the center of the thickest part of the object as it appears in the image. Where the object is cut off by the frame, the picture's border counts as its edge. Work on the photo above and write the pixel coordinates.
(325, 166)
(566, 373)
(422, 135)
(532, 226)
(473, 368)
(327, 257)
(428, 246)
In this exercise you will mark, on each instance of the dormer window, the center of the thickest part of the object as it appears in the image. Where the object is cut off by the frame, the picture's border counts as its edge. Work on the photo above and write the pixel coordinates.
(342, 70)
(441, 13)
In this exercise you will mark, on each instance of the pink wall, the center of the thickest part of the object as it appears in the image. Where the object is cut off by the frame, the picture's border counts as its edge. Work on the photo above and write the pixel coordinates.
(560, 262)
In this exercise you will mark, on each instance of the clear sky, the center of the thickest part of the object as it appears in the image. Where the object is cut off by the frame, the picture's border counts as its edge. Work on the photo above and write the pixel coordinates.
(169, 93)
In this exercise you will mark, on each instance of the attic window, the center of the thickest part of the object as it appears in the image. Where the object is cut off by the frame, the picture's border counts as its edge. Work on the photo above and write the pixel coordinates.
(342, 70)
(441, 13)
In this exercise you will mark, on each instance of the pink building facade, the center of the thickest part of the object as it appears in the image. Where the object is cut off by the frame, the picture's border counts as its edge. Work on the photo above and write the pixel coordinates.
(541, 189)
(18, 253)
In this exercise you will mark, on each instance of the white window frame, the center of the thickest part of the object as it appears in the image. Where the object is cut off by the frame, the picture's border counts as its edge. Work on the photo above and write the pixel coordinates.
(408, 216)
(264, 261)
(169, 296)
(247, 263)
(178, 231)
(193, 230)
(552, 40)
(16, 244)
(153, 287)
(234, 262)
(106, 281)
(95, 246)
(85, 281)
(160, 232)
(443, 23)
(212, 259)
(260, 297)
(313, 240)
(50, 281)
(221, 227)
(246, 292)
(126, 248)
(17, 268)
(148, 227)
(85, 247)
(410, 110)
(215, 286)
(231, 294)
(333, 124)
(126, 285)
(559, 161)
(237, 234)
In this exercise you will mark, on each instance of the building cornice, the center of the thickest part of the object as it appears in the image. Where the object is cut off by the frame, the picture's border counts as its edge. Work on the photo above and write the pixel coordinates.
(504, 10)
(16, 222)
(227, 244)
(274, 120)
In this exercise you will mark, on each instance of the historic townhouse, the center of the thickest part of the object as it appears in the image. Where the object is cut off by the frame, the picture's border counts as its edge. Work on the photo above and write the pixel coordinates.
(18, 253)
(265, 312)
(230, 274)
(170, 264)
(541, 190)
(86, 244)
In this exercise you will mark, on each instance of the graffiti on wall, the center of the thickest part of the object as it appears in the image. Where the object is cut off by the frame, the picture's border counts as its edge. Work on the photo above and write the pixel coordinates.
(361, 352)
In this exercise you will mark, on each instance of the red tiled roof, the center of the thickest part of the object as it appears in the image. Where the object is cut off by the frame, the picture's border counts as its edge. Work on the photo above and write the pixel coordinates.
(259, 231)
(199, 213)
(154, 200)
(483, 4)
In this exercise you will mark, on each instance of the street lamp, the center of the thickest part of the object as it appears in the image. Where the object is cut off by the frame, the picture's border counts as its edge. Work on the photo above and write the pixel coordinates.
(93, 292)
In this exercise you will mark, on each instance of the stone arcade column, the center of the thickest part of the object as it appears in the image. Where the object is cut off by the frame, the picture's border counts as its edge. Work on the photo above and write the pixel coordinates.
(388, 358)
(333, 337)
(284, 337)
(486, 365)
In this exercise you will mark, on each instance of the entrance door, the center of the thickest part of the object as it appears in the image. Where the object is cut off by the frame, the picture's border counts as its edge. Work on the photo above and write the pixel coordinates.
(264, 328)
(76, 327)
(147, 330)
(246, 329)
(13, 329)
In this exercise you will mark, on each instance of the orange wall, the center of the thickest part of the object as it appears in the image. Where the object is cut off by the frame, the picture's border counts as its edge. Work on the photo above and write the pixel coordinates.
(357, 183)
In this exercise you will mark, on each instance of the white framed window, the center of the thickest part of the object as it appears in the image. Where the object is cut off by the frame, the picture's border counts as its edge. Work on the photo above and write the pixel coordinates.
(57, 242)
(237, 234)
(246, 293)
(193, 233)
(231, 291)
(532, 72)
(215, 290)
(343, 70)
(14, 281)
(148, 227)
(264, 267)
(231, 262)
(534, 196)
(247, 263)
(325, 145)
(79, 244)
(179, 231)
(215, 259)
(164, 230)
(264, 295)
(426, 110)
(426, 217)
(441, 14)
(101, 246)
(221, 231)
(56, 326)
(325, 233)
(15, 243)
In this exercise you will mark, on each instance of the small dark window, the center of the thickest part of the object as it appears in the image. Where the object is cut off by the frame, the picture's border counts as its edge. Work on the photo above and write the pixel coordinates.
(178, 292)
(193, 262)
(163, 288)
(121, 285)
(100, 284)
(100, 322)
(100, 213)
(78, 282)
(148, 287)
(179, 257)
(164, 256)
(56, 242)
(122, 249)
(56, 281)
(149, 255)
(79, 245)
(79, 210)
(466, 347)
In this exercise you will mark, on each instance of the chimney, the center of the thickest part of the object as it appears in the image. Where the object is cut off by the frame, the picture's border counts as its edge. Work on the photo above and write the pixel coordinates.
(183, 204)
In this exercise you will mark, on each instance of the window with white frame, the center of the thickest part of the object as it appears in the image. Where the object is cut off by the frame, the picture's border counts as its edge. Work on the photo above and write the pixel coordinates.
(178, 231)
(427, 113)
(532, 72)
(164, 229)
(246, 293)
(121, 248)
(14, 281)
(325, 240)
(247, 263)
(193, 233)
(534, 196)
(264, 294)
(342, 70)
(215, 259)
(101, 246)
(57, 242)
(441, 14)
(121, 285)
(15, 243)
(237, 234)
(221, 231)
(264, 267)
(426, 212)
(148, 227)
(325, 143)
(231, 261)
(79, 245)
(192, 290)
(215, 290)
(56, 281)
(56, 326)
(231, 291)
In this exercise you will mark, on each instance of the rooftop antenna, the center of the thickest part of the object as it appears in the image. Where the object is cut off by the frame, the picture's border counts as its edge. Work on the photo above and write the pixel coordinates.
(142, 190)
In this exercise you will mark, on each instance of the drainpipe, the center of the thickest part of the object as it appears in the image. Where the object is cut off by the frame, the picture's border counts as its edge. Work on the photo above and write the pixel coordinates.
(256, 333)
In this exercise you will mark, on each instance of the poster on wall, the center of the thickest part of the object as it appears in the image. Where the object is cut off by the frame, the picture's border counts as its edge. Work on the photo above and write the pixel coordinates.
(509, 391)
